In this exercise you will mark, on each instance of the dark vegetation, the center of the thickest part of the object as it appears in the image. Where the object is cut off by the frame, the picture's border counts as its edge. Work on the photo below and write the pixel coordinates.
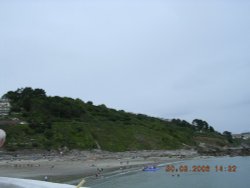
(61, 122)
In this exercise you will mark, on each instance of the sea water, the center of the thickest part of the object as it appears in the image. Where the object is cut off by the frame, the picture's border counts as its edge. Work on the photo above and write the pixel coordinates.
(224, 172)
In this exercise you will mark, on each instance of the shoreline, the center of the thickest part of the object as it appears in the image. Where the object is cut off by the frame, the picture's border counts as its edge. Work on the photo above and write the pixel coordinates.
(67, 166)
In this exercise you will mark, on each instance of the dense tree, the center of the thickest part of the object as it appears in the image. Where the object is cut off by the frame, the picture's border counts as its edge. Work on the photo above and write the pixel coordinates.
(37, 105)
(90, 103)
(181, 123)
(22, 99)
(211, 129)
(228, 135)
(200, 124)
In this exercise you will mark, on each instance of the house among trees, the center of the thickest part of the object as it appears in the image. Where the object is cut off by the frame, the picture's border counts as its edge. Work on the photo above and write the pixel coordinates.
(238, 136)
(4, 107)
(244, 136)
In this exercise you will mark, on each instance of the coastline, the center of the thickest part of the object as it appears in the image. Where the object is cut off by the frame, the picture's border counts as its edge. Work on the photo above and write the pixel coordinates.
(73, 165)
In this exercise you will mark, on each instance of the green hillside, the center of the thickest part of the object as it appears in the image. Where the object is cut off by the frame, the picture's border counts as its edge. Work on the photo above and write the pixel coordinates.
(38, 121)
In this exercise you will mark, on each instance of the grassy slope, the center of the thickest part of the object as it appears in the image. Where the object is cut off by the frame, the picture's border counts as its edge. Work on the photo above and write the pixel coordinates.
(79, 125)
(112, 136)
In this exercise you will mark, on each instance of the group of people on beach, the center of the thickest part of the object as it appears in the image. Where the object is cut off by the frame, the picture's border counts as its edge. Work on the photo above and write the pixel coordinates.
(98, 173)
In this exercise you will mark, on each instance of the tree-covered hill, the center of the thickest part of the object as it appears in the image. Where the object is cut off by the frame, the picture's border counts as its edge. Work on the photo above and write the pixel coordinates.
(52, 122)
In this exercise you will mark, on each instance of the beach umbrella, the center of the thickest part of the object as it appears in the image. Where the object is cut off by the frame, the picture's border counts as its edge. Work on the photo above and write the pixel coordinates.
(2, 137)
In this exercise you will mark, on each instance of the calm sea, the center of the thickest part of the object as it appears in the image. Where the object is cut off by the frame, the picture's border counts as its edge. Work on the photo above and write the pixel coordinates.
(226, 172)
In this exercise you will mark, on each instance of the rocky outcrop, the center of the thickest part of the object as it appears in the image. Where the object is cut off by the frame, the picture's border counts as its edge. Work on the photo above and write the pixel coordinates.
(216, 151)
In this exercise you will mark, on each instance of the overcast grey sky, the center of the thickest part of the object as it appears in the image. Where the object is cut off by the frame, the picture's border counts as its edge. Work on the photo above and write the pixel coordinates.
(166, 58)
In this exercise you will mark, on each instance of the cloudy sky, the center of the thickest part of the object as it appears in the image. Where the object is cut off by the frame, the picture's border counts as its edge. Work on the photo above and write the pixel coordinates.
(166, 58)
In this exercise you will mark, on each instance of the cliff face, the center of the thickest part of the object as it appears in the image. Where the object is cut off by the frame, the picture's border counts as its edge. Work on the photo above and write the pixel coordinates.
(222, 151)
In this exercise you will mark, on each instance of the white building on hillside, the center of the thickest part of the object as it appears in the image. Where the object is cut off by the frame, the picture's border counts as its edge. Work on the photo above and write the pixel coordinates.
(245, 135)
(4, 107)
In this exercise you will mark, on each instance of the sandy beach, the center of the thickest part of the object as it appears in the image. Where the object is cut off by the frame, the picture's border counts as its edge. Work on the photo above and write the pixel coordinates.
(66, 166)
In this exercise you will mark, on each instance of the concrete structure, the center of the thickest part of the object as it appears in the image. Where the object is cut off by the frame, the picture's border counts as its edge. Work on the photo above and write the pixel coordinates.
(244, 136)
(6, 182)
(4, 107)
(2, 137)
(236, 135)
